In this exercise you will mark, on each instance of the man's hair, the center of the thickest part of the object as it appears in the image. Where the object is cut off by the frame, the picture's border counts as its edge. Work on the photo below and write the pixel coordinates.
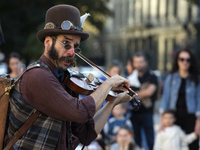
(140, 54)
(169, 111)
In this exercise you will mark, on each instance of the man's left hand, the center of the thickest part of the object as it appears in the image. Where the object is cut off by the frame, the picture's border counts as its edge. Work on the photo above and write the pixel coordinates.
(122, 98)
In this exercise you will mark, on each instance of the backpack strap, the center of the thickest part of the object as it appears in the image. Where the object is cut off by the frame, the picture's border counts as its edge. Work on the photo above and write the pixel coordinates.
(19, 133)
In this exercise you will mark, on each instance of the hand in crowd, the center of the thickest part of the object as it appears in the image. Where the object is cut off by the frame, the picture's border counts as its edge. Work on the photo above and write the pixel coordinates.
(113, 139)
(161, 127)
(197, 128)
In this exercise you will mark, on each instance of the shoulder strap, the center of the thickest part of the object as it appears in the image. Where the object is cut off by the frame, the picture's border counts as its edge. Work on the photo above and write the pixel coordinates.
(19, 133)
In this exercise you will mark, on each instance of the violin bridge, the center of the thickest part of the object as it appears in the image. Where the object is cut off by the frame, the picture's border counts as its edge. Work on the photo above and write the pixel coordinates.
(90, 77)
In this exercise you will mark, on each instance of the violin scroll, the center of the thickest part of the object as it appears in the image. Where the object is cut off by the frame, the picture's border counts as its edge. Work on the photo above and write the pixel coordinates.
(135, 103)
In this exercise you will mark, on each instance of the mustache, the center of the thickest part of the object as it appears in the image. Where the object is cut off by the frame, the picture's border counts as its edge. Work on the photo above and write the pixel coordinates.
(70, 59)
(67, 58)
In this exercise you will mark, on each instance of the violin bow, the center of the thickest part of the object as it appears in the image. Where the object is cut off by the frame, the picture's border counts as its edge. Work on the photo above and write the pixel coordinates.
(135, 103)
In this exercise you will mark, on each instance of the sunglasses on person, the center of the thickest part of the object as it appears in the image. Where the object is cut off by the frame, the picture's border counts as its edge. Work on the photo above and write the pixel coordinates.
(67, 46)
(184, 59)
(65, 25)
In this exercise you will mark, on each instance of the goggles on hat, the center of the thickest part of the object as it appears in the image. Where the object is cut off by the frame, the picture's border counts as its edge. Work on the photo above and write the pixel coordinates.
(65, 25)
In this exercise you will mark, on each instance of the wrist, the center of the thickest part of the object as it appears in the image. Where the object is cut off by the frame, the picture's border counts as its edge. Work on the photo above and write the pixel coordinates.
(112, 103)
(109, 84)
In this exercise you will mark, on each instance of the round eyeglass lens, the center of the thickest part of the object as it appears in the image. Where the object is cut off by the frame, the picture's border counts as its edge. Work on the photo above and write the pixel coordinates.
(66, 25)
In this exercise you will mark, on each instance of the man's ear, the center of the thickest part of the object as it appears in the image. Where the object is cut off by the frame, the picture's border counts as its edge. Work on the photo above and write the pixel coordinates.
(48, 42)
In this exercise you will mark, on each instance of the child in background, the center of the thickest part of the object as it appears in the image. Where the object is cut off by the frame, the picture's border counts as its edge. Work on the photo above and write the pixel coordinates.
(115, 68)
(125, 140)
(171, 136)
(117, 121)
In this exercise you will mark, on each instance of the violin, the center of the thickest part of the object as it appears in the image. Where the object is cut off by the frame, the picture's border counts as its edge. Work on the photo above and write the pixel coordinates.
(86, 85)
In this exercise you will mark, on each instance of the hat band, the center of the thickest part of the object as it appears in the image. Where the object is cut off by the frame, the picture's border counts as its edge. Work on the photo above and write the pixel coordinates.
(65, 25)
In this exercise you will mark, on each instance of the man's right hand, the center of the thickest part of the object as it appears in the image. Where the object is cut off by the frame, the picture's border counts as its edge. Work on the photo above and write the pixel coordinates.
(117, 81)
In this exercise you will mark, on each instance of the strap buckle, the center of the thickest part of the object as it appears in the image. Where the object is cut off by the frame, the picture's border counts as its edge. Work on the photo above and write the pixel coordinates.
(8, 89)
(36, 112)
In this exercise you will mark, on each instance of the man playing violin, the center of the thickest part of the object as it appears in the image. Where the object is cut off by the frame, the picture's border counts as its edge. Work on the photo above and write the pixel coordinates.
(65, 120)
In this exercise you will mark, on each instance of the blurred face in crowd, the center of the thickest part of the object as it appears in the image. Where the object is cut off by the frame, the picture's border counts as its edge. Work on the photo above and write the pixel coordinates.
(184, 61)
(123, 137)
(15, 65)
(129, 67)
(114, 70)
(59, 54)
(139, 63)
(118, 111)
(168, 119)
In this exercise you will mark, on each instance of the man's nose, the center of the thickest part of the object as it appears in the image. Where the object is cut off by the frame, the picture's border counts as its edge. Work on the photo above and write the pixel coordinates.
(71, 52)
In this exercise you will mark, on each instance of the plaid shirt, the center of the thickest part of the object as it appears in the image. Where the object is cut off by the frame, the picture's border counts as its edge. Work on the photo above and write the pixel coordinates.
(44, 132)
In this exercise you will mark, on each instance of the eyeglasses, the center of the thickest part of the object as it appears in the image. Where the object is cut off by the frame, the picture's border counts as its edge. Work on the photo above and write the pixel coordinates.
(67, 46)
(65, 25)
(183, 59)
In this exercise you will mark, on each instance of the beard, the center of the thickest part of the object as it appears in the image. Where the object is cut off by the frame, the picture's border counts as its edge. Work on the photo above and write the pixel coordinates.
(53, 54)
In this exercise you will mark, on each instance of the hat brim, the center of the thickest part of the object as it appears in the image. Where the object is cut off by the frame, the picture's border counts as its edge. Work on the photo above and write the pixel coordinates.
(49, 32)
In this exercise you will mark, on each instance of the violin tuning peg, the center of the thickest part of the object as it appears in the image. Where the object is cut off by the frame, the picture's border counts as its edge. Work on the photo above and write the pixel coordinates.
(134, 104)
(137, 101)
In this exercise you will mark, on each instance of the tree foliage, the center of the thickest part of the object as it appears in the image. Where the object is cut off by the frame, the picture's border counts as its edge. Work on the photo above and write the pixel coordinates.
(22, 19)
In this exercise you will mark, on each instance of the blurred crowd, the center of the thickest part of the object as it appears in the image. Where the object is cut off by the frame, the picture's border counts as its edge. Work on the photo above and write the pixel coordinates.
(169, 116)
(177, 109)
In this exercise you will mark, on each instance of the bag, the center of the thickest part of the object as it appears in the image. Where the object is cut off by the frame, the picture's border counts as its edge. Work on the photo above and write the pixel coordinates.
(5, 87)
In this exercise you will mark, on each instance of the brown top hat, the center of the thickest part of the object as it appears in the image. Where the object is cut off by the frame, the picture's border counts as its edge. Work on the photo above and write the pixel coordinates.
(58, 20)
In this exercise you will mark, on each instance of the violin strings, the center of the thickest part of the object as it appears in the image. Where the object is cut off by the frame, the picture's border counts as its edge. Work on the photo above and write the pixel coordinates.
(105, 75)
(91, 65)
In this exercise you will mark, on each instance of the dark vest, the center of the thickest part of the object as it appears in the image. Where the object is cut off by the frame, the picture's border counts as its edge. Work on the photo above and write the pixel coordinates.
(43, 134)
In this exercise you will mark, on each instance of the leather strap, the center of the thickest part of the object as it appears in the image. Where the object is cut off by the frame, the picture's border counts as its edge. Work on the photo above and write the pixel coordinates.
(19, 133)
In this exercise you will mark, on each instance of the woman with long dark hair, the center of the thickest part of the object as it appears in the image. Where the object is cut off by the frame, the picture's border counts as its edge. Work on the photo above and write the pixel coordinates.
(182, 92)
(14, 65)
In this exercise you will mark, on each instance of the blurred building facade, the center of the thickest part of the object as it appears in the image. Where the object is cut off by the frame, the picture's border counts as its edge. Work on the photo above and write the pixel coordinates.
(158, 27)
